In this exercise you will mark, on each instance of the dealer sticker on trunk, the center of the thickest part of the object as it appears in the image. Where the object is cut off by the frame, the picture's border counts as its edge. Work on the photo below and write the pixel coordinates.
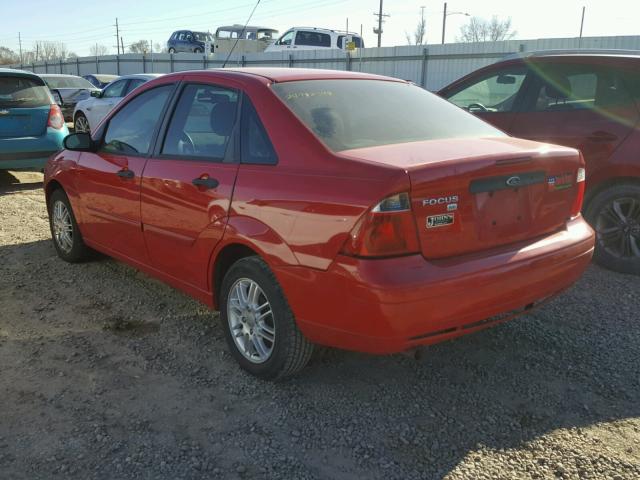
(442, 220)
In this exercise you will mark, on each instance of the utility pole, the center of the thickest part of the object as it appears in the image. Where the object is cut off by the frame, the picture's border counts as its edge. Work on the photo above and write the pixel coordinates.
(380, 20)
(582, 21)
(444, 21)
(122, 44)
(20, 43)
(117, 37)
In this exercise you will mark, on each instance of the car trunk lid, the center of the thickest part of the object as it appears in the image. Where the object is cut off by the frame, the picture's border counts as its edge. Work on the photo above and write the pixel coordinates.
(469, 195)
(23, 122)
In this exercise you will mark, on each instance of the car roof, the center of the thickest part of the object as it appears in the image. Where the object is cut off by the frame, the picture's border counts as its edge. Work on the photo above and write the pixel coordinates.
(279, 74)
(60, 75)
(633, 54)
(19, 73)
(144, 76)
(325, 30)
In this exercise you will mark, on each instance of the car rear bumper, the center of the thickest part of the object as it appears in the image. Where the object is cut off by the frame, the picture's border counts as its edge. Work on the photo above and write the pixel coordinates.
(391, 305)
(30, 152)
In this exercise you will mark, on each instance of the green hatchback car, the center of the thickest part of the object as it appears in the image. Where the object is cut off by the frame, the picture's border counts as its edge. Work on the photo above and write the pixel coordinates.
(32, 127)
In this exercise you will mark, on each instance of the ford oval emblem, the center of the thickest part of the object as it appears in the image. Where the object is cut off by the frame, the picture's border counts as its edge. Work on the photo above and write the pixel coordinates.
(514, 181)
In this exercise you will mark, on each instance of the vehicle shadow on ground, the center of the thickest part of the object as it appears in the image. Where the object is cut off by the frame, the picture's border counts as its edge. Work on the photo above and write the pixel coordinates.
(9, 183)
(571, 365)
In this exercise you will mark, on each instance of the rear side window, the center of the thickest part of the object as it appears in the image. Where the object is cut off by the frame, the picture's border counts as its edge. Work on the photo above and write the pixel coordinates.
(255, 146)
(347, 114)
(314, 39)
(131, 129)
(354, 39)
(23, 92)
(202, 123)
(579, 87)
(133, 84)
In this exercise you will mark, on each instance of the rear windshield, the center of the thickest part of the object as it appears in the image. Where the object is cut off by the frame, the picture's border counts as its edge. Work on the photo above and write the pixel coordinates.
(346, 114)
(67, 82)
(21, 92)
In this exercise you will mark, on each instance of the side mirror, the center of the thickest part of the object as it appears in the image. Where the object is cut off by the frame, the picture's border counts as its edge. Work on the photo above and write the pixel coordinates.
(79, 142)
(57, 96)
(96, 93)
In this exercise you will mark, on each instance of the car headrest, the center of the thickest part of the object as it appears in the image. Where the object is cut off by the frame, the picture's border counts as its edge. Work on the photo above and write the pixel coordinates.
(558, 88)
(223, 117)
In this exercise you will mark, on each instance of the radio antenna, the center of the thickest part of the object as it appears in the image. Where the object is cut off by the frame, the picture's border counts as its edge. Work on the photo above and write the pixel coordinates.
(241, 34)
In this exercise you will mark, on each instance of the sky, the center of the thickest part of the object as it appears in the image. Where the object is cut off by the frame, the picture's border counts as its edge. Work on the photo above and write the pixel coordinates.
(80, 24)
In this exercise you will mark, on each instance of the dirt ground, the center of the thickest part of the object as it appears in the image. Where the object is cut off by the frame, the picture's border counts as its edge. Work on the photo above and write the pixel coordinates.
(106, 373)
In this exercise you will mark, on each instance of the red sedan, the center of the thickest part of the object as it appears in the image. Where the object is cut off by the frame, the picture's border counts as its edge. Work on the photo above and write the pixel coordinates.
(322, 207)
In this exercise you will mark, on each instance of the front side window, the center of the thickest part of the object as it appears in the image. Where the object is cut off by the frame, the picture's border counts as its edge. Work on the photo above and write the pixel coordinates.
(131, 129)
(314, 39)
(255, 146)
(115, 90)
(202, 122)
(22, 92)
(347, 114)
(286, 39)
(182, 36)
(495, 92)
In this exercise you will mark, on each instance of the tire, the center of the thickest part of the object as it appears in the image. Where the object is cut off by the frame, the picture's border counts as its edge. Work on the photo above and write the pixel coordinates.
(81, 120)
(197, 50)
(172, 50)
(289, 351)
(70, 249)
(614, 213)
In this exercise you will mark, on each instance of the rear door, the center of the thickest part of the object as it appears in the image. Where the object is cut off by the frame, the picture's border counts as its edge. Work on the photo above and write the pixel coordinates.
(583, 105)
(108, 181)
(188, 184)
(494, 95)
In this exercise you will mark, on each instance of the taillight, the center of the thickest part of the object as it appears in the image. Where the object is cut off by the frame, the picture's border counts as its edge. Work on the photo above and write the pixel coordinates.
(577, 203)
(56, 119)
(387, 230)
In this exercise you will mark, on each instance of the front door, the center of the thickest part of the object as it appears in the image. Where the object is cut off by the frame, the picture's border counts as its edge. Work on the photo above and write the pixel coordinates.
(585, 106)
(188, 184)
(108, 181)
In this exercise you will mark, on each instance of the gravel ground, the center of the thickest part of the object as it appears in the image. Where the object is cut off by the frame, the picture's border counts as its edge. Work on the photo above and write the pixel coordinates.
(106, 373)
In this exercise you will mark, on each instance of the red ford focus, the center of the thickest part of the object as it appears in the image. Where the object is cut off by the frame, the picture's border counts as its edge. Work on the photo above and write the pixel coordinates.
(321, 207)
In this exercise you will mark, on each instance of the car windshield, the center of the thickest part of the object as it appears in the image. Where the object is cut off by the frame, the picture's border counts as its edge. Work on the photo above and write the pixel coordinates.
(21, 92)
(203, 37)
(67, 82)
(347, 114)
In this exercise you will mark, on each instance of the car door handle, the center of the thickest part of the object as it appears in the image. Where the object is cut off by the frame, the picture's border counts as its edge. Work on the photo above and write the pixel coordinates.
(206, 182)
(603, 137)
(126, 173)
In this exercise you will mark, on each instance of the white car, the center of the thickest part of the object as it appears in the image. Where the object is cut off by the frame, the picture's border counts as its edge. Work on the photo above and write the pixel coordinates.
(90, 112)
(310, 38)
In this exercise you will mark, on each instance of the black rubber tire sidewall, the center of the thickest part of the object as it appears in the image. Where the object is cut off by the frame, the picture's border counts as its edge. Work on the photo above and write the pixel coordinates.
(291, 351)
(597, 203)
(79, 250)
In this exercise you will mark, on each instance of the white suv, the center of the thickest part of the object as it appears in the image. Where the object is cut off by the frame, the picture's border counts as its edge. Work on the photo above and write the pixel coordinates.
(305, 38)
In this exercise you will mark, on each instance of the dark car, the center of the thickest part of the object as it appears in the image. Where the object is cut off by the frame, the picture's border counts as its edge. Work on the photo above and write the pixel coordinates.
(190, 41)
(100, 80)
(71, 89)
(586, 100)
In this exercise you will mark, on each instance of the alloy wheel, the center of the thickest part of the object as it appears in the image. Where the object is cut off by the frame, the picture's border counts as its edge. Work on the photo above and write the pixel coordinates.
(251, 320)
(81, 125)
(618, 227)
(62, 226)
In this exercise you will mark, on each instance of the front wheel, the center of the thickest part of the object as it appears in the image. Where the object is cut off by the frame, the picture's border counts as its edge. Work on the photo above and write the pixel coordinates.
(259, 325)
(81, 124)
(67, 239)
(198, 50)
(614, 214)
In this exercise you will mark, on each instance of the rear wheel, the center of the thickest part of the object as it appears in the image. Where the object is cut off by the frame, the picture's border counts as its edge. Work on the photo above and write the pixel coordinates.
(81, 124)
(197, 50)
(614, 213)
(67, 239)
(172, 50)
(259, 326)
